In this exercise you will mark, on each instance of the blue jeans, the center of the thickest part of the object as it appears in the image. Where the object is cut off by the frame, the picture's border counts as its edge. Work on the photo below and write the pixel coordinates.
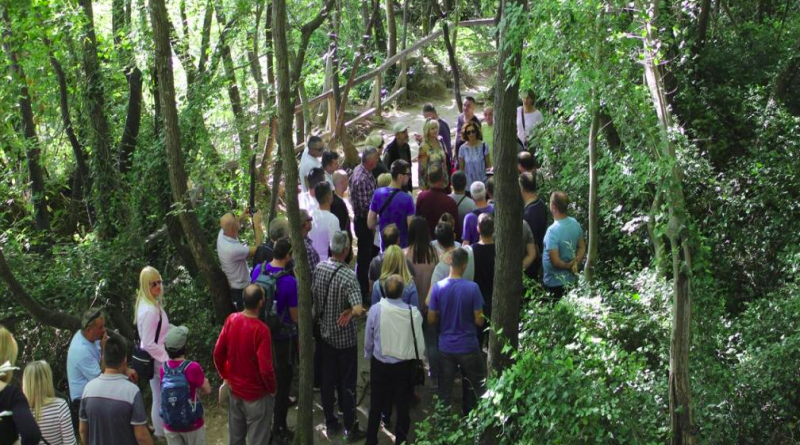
(473, 373)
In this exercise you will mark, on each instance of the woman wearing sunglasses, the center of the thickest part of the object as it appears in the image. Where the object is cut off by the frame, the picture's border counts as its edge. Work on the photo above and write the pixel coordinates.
(148, 315)
(473, 156)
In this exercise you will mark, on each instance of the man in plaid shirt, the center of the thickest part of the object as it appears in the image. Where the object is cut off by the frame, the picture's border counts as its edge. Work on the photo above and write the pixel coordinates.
(362, 187)
(337, 299)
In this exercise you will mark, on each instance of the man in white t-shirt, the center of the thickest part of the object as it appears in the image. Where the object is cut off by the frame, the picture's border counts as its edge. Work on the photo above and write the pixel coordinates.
(311, 158)
(233, 254)
(324, 223)
(528, 118)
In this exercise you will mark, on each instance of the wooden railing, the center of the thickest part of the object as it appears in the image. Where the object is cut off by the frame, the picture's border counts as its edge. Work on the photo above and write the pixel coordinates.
(376, 102)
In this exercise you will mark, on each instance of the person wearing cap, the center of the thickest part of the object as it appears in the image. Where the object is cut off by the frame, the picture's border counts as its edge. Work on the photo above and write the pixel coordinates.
(311, 159)
(376, 141)
(399, 149)
(175, 344)
(83, 357)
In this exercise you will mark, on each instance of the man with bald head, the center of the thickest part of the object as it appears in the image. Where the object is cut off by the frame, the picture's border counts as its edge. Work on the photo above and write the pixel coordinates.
(233, 254)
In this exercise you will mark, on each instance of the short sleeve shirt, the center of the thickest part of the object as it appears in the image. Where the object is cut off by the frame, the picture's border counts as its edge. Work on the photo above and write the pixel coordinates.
(111, 406)
(285, 294)
(195, 376)
(474, 162)
(233, 260)
(456, 301)
(323, 225)
(335, 288)
(83, 364)
(470, 232)
(562, 235)
(397, 212)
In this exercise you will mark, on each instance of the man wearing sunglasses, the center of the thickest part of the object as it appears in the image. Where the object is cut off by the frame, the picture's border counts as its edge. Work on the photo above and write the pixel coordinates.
(84, 358)
(312, 158)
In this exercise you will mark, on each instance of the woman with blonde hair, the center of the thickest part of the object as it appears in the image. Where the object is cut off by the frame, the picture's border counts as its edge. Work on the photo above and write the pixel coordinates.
(16, 419)
(394, 263)
(152, 326)
(432, 152)
(51, 413)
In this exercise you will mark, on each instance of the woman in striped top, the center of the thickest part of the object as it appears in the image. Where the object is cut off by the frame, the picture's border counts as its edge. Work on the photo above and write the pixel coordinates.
(51, 413)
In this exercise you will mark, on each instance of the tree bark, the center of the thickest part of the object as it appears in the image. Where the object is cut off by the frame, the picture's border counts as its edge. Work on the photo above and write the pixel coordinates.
(205, 38)
(133, 120)
(105, 172)
(702, 25)
(233, 91)
(391, 27)
(304, 434)
(680, 395)
(788, 74)
(594, 232)
(32, 144)
(215, 278)
(508, 204)
(659, 249)
(451, 54)
(38, 312)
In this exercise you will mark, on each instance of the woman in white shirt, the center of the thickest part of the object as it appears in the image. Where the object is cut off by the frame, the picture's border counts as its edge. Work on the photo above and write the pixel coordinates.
(51, 413)
(148, 311)
(528, 118)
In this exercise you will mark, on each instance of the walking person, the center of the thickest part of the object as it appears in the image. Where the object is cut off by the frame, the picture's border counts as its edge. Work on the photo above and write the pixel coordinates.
(432, 153)
(18, 425)
(456, 305)
(243, 358)
(392, 346)
(337, 300)
(362, 187)
(51, 412)
(152, 325)
(473, 156)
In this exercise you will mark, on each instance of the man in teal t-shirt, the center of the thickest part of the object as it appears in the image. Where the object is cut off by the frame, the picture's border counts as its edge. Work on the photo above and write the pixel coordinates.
(564, 248)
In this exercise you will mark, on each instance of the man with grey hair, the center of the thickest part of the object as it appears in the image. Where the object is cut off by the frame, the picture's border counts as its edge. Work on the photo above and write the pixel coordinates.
(362, 187)
(335, 287)
(278, 228)
(479, 195)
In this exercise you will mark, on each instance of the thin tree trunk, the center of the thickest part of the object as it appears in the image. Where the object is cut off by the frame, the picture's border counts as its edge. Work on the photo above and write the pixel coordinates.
(206, 37)
(204, 257)
(659, 249)
(680, 395)
(508, 206)
(304, 434)
(594, 232)
(380, 33)
(233, 91)
(702, 25)
(788, 74)
(39, 312)
(451, 53)
(391, 26)
(133, 119)
(32, 145)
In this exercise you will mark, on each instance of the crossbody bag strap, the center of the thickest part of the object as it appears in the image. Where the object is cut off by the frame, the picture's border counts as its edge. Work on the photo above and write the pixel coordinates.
(327, 292)
(458, 204)
(413, 332)
(158, 329)
(388, 201)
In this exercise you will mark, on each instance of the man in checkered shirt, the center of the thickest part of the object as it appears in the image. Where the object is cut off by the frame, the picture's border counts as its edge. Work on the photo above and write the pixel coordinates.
(337, 299)
(362, 187)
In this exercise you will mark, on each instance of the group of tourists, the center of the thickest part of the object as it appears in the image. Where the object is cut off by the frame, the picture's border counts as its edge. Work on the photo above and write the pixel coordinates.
(422, 276)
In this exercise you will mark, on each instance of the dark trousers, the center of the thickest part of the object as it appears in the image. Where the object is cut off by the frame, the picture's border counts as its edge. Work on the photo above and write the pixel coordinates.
(390, 383)
(473, 373)
(554, 294)
(284, 353)
(367, 250)
(236, 298)
(318, 372)
(74, 409)
(341, 367)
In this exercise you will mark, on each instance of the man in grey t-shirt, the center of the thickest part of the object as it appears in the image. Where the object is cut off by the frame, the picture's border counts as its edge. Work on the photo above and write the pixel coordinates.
(112, 410)
(464, 202)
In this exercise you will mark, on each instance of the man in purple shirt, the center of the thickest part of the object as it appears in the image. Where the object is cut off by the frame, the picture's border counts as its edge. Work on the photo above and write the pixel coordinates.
(362, 187)
(457, 305)
(479, 195)
(284, 344)
(391, 205)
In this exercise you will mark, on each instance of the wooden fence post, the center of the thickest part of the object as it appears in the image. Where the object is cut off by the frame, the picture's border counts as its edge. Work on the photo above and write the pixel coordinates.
(376, 92)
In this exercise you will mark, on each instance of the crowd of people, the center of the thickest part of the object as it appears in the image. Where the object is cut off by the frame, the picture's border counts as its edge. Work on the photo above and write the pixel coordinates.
(422, 275)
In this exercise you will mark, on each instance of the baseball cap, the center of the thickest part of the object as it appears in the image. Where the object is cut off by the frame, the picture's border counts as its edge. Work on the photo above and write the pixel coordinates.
(399, 128)
(176, 338)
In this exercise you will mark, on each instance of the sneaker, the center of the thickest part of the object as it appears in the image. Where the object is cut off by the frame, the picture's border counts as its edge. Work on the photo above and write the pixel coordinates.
(355, 434)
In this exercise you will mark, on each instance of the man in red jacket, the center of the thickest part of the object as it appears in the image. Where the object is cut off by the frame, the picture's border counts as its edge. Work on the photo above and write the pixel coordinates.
(252, 382)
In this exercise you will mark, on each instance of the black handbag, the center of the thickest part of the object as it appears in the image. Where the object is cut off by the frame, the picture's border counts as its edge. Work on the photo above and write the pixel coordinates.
(141, 361)
(317, 324)
(417, 368)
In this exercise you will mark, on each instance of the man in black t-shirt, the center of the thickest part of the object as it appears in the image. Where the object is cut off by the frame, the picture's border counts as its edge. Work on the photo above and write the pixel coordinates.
(535, 214)
(399, 149)
(278, 228)
(484, 254)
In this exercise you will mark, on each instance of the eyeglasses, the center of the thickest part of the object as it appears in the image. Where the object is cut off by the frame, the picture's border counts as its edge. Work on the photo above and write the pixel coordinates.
(156, 283)
(97, 314)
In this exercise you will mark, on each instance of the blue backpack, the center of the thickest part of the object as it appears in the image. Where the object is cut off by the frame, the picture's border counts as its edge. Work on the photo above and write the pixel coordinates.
(178, 410)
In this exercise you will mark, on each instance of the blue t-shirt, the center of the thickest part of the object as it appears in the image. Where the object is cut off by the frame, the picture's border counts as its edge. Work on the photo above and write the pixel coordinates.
(285, 294)
(83, 364)
(470, 231)
(410, 294)
(397, 212)
(562, 235)
(456, 301)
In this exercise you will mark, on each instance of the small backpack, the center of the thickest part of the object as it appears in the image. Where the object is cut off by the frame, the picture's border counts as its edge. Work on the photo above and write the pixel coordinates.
(269, 313)
(178, 410)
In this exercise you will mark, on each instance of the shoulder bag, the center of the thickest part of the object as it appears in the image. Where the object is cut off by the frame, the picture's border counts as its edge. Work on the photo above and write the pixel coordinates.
(417, 368)
(142, 362)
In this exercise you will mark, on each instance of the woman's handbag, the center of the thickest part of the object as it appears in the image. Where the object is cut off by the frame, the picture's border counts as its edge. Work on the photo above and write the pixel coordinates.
(142, 362)
(417, 368)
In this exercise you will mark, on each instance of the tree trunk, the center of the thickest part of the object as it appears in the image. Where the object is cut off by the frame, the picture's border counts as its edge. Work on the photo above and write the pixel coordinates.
(680, 395)
(304, 434)
(508, 205)
(233, 91)
(105, 172)
(380, 32)
(32, 143)
(391, 27)
(659, 249)
(40, 313)
(788, 74)
(205, 39)
(451, 53)
(204, 257)
(702, 25)
(594, 232)
(133, 120)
